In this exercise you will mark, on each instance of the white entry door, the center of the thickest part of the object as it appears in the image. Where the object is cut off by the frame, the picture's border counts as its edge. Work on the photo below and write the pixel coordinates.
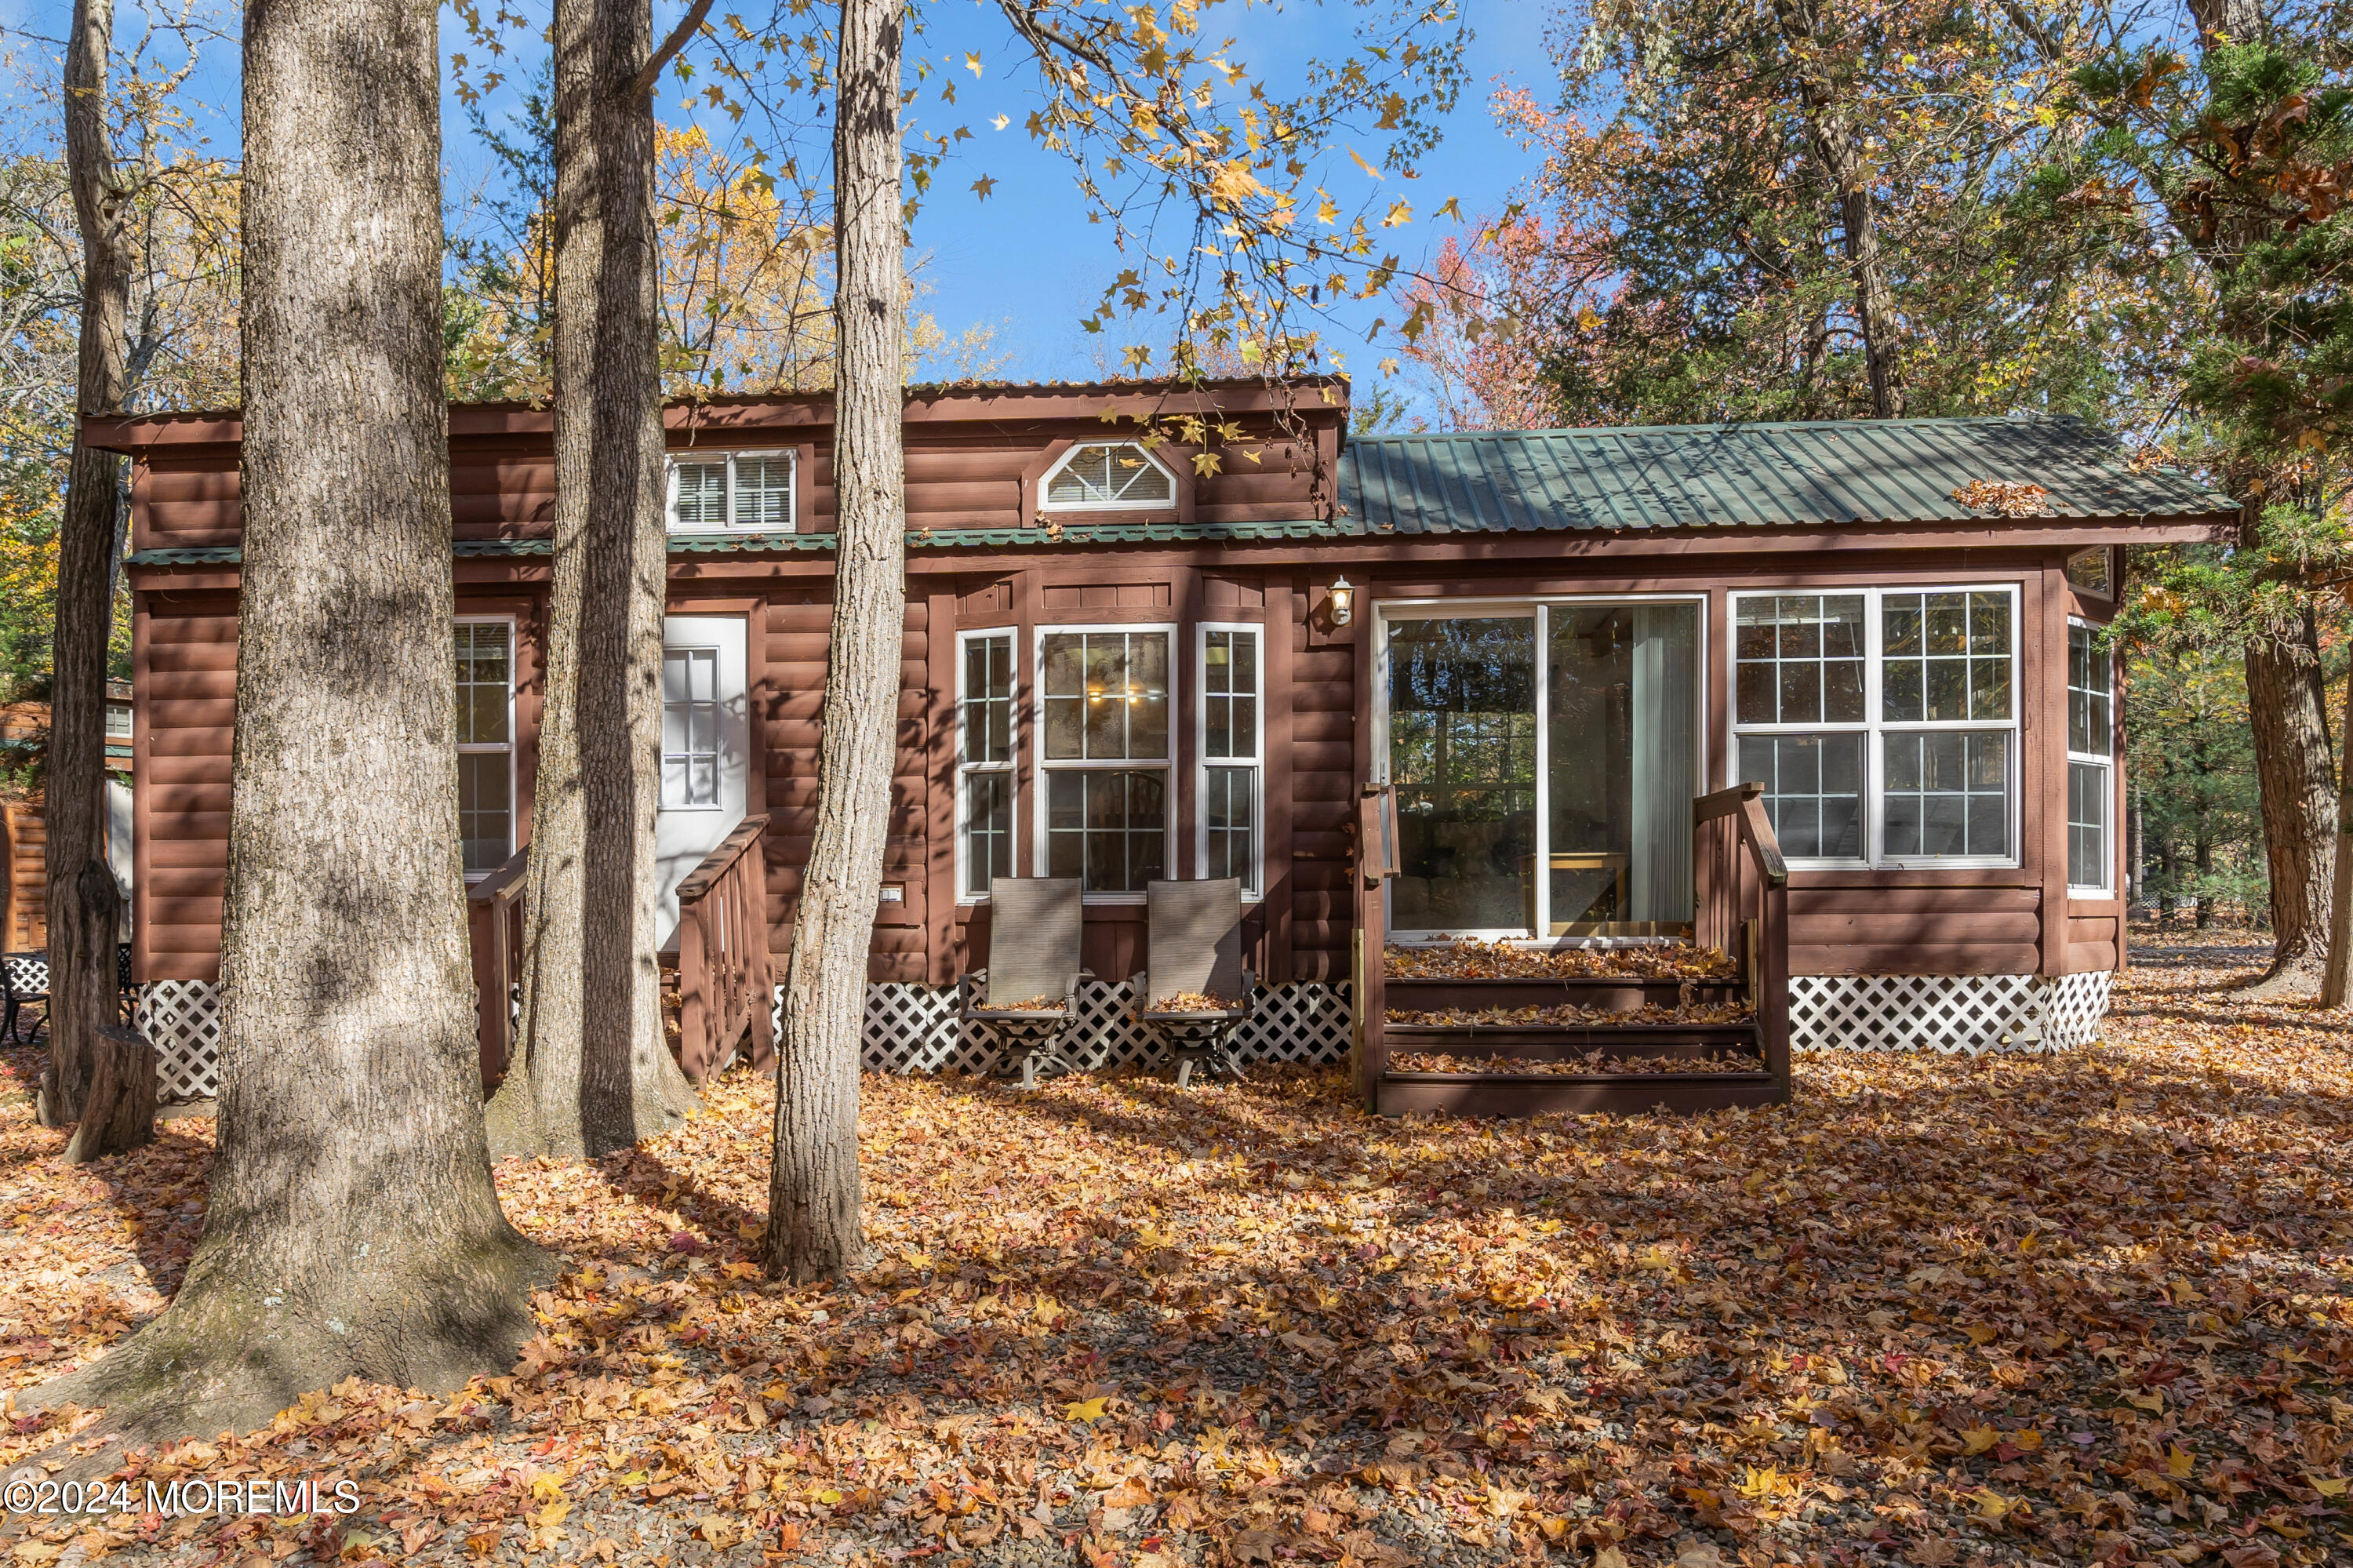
(706, 750)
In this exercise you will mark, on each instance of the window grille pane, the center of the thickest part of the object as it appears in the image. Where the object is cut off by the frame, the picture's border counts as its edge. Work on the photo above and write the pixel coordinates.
(1799, 659)
(2091, 691)
(1945, 657)
(988, 830)
(1230, 693)
(1110, 474)
(764, 493)
(1107, 828)
(484, 683)
(1813, 790)
(1106, 695)
(988, 699)
(1947, 795)
(485, 808)
(699, 494)
(2087, 824)
(689, 771)
(1226, 794)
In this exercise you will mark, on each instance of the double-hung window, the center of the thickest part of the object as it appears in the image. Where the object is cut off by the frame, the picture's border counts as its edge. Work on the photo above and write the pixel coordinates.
(2091, 757)
(983, 761)
(1104, 760)
(731, 492)
(1883, 723)
(485, 726)
(1229, 755)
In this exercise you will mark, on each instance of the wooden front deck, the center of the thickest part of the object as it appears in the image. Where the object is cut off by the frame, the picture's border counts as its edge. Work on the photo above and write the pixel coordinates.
(1743, 912)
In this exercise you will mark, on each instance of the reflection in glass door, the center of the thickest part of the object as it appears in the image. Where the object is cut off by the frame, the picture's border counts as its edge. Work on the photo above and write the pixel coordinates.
(1463, 757)
(1582, 763)
(1621, 743)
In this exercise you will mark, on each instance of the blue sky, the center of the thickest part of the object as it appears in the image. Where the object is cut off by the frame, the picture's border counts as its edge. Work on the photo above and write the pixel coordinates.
(1026, 260)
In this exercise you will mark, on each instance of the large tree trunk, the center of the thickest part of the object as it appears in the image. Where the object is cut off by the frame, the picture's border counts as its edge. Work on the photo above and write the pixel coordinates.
(1831, 129)
(2297, 782)
(85, 906)
(352, 1227)
(813, 1229)
(2336, 978)
(631, 1087)
(536, 1108)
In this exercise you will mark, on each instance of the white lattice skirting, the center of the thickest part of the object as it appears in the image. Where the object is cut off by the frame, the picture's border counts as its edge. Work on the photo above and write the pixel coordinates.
(181, 1019)
(909, 1029)
(1972, 1013)
(914, 1028)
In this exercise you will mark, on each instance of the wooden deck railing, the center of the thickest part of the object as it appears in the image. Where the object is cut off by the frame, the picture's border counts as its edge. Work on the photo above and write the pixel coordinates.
(1376, 834)
(724, 983)
(494, 922)
(1744, 907)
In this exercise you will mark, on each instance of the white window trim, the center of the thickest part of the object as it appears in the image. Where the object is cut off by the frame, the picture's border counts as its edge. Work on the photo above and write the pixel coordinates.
(662, 753)
(482, 748)
(1875, 729)
(1534, 609)
(1046, 481)
(2106, 763)
(729, 456)
(1039, 849)
(1011, 767)
(1254, 884)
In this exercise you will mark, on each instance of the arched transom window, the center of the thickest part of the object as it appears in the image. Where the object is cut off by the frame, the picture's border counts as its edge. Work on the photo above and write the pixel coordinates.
(1106, 476)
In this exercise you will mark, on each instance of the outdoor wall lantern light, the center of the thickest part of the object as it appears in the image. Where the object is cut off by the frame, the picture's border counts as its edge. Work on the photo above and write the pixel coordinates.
(1344, 602)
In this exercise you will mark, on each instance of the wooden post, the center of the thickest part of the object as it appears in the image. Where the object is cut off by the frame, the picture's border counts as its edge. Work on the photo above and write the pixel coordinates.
(693, 990)
(120, 1113)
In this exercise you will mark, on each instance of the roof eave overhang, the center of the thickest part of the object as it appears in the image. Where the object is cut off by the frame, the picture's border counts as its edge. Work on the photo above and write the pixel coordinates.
(1327, 396)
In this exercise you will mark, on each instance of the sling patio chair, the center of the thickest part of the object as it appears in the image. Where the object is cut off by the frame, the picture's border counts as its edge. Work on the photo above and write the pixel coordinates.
(26, 977)
(1027, 997)
(1194, 993)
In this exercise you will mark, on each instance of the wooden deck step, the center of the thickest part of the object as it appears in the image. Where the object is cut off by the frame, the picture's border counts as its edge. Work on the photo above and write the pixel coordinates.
(1538, 1093)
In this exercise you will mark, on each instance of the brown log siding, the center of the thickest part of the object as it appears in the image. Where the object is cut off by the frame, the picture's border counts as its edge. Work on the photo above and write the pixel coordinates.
(968, 471)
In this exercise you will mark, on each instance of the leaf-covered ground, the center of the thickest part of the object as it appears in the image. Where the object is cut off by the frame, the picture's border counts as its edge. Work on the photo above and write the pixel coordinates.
(2090, 1307)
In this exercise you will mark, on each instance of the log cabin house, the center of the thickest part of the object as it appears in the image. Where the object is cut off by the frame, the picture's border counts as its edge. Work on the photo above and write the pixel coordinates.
(1783, 689)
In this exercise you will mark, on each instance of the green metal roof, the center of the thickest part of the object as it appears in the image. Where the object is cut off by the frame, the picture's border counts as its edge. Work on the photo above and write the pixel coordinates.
(1642, 476)
(1681, 476)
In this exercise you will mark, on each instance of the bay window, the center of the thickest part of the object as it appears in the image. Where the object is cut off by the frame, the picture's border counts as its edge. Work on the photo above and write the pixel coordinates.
(1104, 759)
(485, 728)
(1229, 754)
(2091, 759)
(984, 761)
(1882, 721)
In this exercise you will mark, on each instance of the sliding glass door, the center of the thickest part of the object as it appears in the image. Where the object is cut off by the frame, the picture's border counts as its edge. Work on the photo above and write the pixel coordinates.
(1462, 756)
(1545, 760)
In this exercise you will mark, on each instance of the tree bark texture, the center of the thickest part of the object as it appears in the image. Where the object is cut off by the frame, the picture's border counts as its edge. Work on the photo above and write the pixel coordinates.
(2337, 977)
(84, 904)
(2296, 784)
(814, 1204)
(1831, 129)
(120, 1114)
(631, 1087)
(536, 1108)
(352, 1227)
